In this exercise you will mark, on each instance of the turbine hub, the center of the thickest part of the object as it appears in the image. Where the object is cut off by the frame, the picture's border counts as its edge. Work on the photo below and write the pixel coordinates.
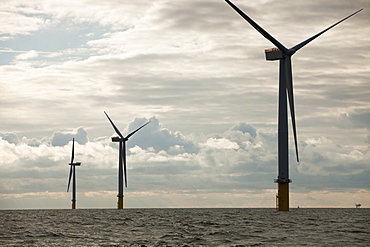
(290, 52)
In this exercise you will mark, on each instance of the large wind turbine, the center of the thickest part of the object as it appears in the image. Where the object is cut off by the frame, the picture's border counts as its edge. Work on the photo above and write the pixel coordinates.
(285, 91)
(72, 173)
(122, 156)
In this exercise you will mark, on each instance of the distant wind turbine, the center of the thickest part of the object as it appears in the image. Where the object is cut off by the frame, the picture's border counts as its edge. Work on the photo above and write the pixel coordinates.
(285, 91)
(358, 205)
(122, 157)
(72, 173)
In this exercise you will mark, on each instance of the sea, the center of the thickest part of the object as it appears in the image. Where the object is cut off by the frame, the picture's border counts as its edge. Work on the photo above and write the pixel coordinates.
(186, 227)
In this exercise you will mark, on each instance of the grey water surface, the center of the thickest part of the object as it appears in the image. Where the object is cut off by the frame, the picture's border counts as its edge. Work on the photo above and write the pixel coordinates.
(185, 227)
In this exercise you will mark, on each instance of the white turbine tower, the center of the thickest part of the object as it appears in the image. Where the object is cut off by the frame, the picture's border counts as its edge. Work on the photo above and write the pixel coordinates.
(284, 55)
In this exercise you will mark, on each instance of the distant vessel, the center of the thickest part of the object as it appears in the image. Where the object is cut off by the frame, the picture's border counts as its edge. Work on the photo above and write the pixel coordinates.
(357, 205)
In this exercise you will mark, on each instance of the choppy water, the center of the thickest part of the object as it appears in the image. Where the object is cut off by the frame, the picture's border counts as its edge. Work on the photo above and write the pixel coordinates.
(185, 227)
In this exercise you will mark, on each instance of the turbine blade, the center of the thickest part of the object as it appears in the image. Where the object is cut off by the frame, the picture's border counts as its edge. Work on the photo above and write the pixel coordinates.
(73, 150)
(124, 163)
(114, 126)
(129, 135)
(70, 176)
(289, 87)
(258, 28)
(302, 44)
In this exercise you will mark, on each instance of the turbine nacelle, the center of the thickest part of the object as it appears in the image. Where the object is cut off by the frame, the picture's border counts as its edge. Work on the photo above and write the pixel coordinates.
(273, 54)
(75, 164)
(118, 139)
(282, 180)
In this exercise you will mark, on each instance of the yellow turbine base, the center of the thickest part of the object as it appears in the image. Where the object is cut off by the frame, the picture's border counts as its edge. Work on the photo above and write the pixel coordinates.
(283, 197)
(120, 202)
(73, 204)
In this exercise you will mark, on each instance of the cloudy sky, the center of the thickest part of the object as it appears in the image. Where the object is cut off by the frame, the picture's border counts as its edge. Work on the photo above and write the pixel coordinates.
(197, 70)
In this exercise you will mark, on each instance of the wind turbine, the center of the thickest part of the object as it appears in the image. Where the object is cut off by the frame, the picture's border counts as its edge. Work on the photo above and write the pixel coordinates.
(358, 205)
(122, 157)
(285, 91)
(72, 173)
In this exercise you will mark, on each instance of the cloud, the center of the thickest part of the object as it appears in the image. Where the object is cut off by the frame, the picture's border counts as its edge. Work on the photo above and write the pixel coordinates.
(27, 55)
(10, 137)
(245, 128)
(155, 136)
(221, 143)
(14, 23)
(321, 157)
(62, 138)
(160, 160)
(357, 119)
(33, 142)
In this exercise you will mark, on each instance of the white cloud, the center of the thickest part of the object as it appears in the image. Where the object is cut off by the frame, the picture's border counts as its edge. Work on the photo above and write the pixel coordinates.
(27, 55)
(218, 162)
(321, 140)
(221, 143)
(13, 24)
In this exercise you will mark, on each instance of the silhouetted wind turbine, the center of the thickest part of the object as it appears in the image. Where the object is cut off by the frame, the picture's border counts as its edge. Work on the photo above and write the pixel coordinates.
(285, 91)
(72, 173)
(358, 205)
(122, 156)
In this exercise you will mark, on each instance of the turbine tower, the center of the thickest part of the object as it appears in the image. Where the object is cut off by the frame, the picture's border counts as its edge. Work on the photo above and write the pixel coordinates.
(121, 157)
(72, 173)
(284, 55)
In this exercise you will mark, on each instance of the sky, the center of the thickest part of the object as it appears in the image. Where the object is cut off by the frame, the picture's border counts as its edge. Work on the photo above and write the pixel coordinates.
(198, 72)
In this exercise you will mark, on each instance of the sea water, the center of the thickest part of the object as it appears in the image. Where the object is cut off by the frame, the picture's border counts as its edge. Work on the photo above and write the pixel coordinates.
(185, 227)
